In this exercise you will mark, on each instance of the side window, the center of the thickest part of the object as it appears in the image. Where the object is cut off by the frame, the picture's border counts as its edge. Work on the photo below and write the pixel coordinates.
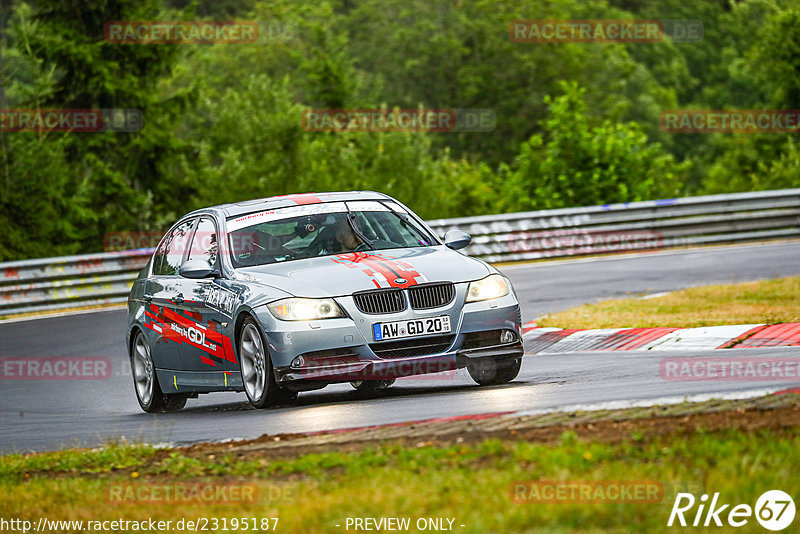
(167, 259)
(204, 243)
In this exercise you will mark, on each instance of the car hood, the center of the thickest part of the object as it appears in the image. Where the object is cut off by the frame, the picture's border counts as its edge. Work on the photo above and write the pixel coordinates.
(343, 274)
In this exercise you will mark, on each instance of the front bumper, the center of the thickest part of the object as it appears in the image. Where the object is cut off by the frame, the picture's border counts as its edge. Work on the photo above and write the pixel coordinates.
(397, 367)
(341, 350)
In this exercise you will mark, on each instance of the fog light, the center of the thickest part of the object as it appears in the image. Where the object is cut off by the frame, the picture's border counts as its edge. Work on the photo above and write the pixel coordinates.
(298, 362)
(506, 336)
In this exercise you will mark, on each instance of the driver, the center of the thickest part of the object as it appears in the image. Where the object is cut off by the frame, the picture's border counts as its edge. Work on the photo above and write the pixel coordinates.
(337, 238)
(345, 237)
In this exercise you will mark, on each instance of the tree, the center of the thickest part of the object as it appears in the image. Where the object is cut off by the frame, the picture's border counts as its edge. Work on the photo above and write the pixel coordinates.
(576, 163)
(750, 162)
(118, 174)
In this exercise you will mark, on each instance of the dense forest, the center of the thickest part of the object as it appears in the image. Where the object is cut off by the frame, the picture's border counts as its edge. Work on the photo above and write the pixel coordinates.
(575, 123)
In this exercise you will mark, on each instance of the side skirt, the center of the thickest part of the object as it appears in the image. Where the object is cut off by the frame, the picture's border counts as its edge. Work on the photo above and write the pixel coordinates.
(172, 381)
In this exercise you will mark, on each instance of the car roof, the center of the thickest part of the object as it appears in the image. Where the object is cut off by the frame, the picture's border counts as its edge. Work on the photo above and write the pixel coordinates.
(256, 205)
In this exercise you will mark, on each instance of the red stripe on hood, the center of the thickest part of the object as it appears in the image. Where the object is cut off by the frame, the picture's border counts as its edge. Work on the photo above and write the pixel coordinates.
(389, 268)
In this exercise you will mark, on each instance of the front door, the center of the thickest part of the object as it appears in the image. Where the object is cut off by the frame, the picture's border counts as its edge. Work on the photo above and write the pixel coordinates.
(211, 307)
(166, 318)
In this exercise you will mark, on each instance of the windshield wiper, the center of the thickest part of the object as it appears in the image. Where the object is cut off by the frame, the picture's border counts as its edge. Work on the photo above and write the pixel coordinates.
(351, 218)
(406, 222)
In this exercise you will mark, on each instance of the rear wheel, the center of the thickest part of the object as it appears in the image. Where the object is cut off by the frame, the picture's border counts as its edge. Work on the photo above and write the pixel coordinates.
(145, 381)
(371, 385)
(256, 367)
(490, 372)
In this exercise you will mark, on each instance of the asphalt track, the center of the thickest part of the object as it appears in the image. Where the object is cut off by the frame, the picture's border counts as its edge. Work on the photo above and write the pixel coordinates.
(46, 415)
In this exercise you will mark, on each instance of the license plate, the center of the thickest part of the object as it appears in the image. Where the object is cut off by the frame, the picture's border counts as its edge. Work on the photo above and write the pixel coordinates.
(411, 328)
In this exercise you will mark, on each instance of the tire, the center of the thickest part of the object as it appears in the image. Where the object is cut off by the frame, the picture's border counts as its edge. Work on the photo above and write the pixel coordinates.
(490, 372)
(371, 385)
(255, 366)
(145, 380)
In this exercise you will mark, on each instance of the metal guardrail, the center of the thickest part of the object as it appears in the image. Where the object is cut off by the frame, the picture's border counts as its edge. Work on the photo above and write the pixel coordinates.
(54, 283)
(47, 284)
(648, 225)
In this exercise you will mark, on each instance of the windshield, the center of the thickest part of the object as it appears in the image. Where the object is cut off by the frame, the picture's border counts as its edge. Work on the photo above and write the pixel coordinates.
(308, 231)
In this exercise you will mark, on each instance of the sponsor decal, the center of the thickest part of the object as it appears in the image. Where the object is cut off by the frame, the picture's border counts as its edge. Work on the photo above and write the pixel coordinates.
(285, 213)
(174, 326)
(308, 205)
(221, 300)
(382, 270)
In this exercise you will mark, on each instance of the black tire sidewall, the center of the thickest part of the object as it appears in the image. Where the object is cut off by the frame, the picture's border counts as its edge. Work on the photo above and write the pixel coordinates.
(160, 402)
(492, 372)
(157, 397)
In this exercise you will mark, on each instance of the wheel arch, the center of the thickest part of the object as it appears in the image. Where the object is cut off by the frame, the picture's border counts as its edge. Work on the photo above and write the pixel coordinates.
(136, 328)
(242, 316)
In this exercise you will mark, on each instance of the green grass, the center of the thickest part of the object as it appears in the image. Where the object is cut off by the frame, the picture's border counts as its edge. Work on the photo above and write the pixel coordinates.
(106, 459)
(471, 483)
(767, 301)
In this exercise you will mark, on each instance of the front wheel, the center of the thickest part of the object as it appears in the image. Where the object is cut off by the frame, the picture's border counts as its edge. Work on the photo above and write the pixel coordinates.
(490, 372)
(145, 381)
(256, 367)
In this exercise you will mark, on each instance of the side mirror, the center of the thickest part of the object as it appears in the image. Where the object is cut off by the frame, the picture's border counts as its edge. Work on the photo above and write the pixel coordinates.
(457, 239)
(197, 268)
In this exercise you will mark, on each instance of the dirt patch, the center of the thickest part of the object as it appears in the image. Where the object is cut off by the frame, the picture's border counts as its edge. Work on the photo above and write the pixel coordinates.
(775, 412)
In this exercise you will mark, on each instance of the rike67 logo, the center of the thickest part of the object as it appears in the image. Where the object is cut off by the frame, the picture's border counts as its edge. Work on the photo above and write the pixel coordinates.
(774, 510)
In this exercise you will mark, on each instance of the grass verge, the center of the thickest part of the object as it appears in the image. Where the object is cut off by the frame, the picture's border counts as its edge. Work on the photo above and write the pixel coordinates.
(470, 481)
(767, 301)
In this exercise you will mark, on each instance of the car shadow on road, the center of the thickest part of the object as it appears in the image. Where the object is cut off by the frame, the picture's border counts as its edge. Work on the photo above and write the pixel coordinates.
(325, 398)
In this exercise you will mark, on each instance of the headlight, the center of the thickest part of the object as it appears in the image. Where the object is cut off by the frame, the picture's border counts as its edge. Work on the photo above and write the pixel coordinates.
(295, 309)
(493, 286)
